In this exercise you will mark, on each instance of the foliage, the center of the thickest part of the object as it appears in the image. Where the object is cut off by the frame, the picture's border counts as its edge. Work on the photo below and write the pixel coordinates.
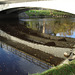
(62, 26)
(46, 13)
(66, 69)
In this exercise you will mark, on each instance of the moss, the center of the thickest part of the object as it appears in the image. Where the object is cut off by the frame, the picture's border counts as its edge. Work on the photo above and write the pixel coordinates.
(66, 69)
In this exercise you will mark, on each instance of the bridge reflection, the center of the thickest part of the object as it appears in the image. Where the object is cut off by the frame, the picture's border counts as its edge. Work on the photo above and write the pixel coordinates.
(26, 56)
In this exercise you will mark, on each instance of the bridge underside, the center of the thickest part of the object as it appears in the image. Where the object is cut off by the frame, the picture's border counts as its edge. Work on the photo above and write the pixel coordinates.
(13, 13)
(12, 8)
(16, 1)
(62, 5)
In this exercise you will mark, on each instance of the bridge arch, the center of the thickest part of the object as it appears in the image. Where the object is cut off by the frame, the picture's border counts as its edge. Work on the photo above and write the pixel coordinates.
(62, 5)
(66, 6)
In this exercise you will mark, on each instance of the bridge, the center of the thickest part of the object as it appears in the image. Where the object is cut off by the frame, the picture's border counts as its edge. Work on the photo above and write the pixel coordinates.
(62, 5)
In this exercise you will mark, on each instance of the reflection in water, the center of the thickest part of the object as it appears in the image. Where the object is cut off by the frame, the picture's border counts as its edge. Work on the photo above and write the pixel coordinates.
(15, 62)
(59, 27)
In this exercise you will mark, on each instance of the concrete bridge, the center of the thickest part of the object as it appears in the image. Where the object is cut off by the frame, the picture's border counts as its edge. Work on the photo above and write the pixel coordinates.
(62, 5)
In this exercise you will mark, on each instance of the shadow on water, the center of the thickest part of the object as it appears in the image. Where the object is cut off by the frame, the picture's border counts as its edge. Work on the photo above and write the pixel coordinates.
(15, 62)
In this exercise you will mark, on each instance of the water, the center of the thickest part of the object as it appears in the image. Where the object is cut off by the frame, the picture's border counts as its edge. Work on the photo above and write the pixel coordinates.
(64, 27)
(15, 62)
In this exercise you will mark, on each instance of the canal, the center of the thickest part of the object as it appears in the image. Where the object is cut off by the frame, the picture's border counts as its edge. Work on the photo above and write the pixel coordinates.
(16, 62)
(64, 27)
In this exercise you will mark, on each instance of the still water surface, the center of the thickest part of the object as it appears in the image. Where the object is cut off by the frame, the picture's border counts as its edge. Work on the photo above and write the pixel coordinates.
(15, 62)
(64, 27)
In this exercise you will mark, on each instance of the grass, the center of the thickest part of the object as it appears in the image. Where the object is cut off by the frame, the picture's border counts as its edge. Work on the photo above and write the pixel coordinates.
(38, 12)
(66, 69)
(46, 13)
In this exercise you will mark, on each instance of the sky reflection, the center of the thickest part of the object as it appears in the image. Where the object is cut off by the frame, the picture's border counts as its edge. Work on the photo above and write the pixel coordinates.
(14, 62)
(71, 36)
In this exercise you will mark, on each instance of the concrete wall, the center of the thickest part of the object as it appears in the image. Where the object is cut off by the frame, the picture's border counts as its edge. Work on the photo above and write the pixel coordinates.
(56, 51)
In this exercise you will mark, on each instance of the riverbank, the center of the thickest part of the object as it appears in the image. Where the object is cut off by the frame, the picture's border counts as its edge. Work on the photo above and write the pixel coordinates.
(66, 69)
(43, 13)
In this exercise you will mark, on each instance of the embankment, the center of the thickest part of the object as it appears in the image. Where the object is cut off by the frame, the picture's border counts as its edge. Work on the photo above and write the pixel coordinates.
(48, 48)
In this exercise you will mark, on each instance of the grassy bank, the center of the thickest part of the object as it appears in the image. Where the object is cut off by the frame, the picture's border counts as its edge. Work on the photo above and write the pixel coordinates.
(47, 13)
(66, 69)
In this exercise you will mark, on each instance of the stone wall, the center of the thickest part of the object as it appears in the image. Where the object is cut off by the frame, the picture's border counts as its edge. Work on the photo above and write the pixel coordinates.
(56, 51)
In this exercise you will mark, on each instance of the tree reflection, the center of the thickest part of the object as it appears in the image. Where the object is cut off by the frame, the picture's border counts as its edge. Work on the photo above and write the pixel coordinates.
(43, 30)
(65, 28)
(53, 26)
